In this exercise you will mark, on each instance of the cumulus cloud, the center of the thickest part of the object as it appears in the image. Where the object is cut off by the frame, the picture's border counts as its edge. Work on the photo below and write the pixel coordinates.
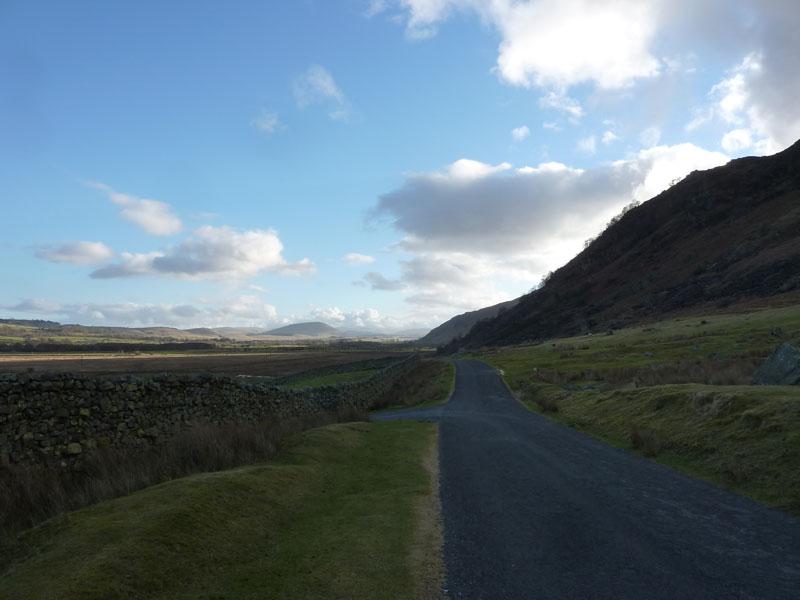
(754, 98)
(520, 133)
(241, 311)
(354, 258)
(153, 216)
(316, 86)
(736, 140)
(555, 43)
(76, 253)
(217, 253)
(267, 121)
(513, 224)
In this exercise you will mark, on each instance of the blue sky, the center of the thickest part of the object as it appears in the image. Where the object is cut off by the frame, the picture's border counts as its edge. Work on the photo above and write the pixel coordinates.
(372, 164)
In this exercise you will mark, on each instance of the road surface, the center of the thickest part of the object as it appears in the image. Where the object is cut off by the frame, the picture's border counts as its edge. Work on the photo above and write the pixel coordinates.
(534, 509)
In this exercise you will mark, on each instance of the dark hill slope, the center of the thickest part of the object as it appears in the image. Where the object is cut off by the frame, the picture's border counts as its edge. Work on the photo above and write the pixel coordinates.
(718, 237)
(460, 325)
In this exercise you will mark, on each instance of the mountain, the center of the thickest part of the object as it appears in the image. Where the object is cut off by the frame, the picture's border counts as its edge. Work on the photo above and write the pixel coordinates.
(204, 332)
(315, 329)
(719, 237)
(460, 325)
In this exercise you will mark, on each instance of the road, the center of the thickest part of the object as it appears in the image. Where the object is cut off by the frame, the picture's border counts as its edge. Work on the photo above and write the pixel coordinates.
(535, 509)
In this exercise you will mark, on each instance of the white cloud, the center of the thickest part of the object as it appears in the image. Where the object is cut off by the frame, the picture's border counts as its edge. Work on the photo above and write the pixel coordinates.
(520, 133)
(560, 43)
(556, 43)
(653, 170)
(267, 121)
(736, 140)
(514, 224)
(235, 311)
(608, 137)
(76, 253)
(354, 258)
(650, 136)
(588, 144)
(153, 216)
(217, 253)
(559, 101)
(315, 86)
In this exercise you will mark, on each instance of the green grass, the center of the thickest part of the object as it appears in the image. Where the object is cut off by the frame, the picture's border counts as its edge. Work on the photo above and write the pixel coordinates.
(332, 378)
(677, 392)
(332, 517)
(429, 383)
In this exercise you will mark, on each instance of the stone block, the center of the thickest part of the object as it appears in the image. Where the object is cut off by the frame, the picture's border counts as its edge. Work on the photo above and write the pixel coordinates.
(782, 367)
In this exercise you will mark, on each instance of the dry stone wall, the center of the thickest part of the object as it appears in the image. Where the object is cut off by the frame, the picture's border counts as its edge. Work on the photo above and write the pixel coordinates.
(57, 417)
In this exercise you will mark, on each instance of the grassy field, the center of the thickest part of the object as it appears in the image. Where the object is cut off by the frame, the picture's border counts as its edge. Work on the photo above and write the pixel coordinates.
(431, 382)
(678, 392)
(345, 512)
(272, 364)
(332, 378)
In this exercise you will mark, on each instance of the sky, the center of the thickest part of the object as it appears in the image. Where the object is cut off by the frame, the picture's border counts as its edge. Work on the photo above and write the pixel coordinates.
(374, 164)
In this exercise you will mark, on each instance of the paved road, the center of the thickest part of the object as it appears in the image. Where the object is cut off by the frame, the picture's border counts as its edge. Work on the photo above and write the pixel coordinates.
(534, 509)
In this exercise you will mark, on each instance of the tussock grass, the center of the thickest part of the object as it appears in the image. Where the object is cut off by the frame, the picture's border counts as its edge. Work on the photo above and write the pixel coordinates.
(678, 392)
(333, 516)
(30, 494)
(429, 383)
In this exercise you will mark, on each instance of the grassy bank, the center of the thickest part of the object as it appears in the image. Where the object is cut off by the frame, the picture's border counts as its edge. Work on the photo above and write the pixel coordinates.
(676, 391)
(333, 516)
(430, 382)
(332, 378)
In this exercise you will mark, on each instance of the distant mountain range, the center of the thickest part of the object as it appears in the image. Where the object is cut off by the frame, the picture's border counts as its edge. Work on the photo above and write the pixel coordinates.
(39, 330)
(722, 237)
(312, 329)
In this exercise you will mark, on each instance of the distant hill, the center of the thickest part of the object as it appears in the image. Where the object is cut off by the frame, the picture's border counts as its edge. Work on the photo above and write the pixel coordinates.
(205, 332)
(314, 329)
(719, 237)
(460, 325)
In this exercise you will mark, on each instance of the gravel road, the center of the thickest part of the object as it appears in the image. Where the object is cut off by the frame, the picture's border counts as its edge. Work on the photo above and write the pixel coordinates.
(534, 509)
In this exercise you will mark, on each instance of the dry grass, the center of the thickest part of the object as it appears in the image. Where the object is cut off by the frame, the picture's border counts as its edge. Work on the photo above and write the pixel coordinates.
(645, 440)
(31, 494)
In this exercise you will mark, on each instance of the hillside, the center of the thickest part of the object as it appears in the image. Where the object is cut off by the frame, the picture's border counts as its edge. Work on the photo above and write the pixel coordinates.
(460, 325)
(315, 329)
(719, 237)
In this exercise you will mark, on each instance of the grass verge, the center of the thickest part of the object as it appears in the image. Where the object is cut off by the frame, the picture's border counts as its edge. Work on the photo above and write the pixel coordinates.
(430, 382)
(676, 392)
(30, 494)
(334, 516)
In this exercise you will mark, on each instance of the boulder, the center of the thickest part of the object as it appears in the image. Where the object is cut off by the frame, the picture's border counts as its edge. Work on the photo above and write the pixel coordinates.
(781, 368)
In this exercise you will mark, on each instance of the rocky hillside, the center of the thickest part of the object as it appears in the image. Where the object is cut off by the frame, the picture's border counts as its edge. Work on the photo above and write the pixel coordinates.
(460, 325)
(719, 237)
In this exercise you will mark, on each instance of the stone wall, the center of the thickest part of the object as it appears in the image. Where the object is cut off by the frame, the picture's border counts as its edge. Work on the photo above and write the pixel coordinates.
(56, 417)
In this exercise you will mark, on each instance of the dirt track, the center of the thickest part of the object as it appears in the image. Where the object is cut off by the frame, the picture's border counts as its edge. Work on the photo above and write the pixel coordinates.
(264, 364)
